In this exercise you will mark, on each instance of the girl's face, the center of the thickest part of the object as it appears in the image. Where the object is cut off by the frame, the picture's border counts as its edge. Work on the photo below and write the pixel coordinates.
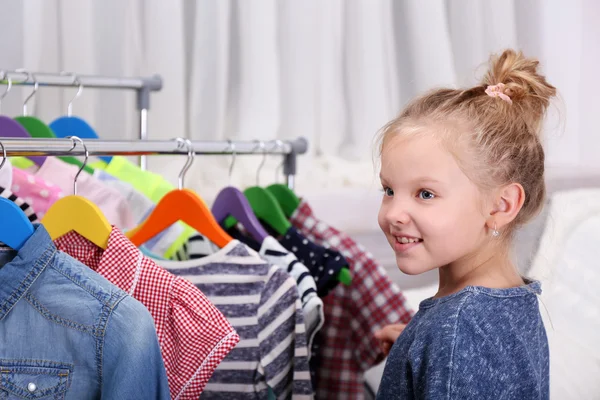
(431, 213)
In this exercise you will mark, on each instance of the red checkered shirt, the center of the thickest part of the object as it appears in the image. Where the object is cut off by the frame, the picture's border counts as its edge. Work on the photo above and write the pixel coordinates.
(193, 335)
(352, 313)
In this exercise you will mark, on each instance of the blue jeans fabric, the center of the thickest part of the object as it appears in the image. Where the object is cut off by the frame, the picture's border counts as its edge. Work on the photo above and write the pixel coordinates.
(476, 344)
(68, 333)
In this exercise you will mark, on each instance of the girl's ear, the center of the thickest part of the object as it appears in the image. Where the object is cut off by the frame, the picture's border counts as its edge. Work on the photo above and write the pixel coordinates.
(507, 204)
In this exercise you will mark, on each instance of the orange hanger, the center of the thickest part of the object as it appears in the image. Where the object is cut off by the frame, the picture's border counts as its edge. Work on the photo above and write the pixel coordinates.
(180, 205)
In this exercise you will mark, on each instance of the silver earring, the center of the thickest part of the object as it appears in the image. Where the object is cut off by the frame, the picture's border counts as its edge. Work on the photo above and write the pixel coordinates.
(495, 232)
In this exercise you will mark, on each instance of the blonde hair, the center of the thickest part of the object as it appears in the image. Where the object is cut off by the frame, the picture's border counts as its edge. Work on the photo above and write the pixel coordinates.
(501, 139)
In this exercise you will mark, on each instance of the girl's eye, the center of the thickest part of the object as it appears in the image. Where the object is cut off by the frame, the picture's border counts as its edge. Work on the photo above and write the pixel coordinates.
(426, 195)
(388, 192)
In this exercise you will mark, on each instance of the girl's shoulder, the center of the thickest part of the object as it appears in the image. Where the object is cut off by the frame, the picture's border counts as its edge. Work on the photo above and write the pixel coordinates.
(477, 312)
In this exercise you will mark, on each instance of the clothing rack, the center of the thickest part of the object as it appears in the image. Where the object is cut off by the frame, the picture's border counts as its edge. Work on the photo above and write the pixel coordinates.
(143, 87)
(97, 147)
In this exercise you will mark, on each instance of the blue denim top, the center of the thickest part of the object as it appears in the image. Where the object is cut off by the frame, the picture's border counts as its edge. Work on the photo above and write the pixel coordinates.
(68, 333)
(479, 343)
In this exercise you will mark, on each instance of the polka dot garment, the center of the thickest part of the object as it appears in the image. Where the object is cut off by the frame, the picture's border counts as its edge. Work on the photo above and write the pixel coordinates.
(38, 193)
(324, 264)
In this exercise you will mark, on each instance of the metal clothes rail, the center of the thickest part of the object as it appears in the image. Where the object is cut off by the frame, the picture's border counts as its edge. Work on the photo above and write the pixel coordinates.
(97, 147)
(143, 87)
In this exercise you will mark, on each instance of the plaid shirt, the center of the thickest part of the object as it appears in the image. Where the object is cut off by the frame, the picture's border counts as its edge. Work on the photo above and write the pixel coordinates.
(352, 313)
(193, 335)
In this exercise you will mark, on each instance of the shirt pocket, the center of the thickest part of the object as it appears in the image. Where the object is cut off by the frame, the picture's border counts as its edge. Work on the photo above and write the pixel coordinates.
(34, 379)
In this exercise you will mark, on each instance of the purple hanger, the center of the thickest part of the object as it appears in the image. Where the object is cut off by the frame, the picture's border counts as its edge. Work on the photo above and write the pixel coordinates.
(231, 201)
(9, 128)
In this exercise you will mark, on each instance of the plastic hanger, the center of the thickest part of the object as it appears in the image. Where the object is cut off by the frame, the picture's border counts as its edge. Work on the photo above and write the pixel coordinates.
(15, 228)
(38, 129)
(11, 128)
(69, 125)
(181, 205)
(285, 196)
(289, 202)
(231, 202)
(264, 204)
(76, 213)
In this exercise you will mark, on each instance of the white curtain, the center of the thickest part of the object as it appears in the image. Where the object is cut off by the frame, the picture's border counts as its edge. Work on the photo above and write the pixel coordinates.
(333, 71)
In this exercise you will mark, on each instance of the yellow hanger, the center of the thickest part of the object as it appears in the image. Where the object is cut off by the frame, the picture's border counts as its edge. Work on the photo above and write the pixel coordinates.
(76, 213)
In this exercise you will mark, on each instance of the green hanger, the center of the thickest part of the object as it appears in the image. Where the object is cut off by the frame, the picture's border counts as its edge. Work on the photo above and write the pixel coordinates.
(289, 202)
(38, 129)
(266, 208)
(344, 276)
(286, 198)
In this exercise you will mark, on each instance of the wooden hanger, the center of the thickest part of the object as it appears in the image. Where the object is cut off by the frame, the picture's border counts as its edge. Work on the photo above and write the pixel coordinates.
(264, 204)
(38, 129)
(15, 228)
(181, 205)
(69, 125)
(289, 202)
(11, 128)
(76, 213)
(231, 202)
(286, 198)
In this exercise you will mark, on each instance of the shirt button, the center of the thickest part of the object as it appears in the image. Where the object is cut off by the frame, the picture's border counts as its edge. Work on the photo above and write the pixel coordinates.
(31, 387)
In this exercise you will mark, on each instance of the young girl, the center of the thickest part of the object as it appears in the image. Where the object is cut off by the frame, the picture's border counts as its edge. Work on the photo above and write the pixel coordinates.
(461, 170)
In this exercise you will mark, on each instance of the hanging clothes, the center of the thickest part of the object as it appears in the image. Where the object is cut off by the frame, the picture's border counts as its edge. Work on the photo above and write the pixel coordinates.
(152, 185)
(352, 313)
(112, 204)
(141, 206)
(35, 191)
(68, 333)
(193, 335)
(312, 305)
(324, 264)
(273, 252)
(6, 174)
(196, 247)
(261, 302)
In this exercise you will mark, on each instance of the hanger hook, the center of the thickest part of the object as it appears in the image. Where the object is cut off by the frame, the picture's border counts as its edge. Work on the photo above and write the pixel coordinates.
(77, 81)
(233, 155)
(36, 85)
(3, 95)
(278, 145)
(261, 145)
(76, 139)
(191, 154)
(3, 155)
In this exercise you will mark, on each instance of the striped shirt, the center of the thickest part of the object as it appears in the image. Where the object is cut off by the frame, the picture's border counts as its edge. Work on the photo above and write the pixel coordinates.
(312, 305)
(261, 302)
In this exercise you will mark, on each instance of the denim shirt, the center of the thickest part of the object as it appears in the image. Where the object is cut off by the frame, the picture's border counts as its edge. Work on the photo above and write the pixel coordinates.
(68, 333)
(478, 343)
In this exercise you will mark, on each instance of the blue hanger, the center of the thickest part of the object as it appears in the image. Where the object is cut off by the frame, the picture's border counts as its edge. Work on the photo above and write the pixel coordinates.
(11, 128)
(232, 202)
(74, 126)
(15, 228)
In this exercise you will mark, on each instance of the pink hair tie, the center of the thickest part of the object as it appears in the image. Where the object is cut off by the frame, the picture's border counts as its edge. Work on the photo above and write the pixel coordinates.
(498, 91)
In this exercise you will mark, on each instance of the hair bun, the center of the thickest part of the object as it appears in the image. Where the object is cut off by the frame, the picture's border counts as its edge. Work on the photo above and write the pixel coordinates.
(529, 91)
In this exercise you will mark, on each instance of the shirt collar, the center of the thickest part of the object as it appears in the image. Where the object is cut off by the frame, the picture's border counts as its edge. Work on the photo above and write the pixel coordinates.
(119, 263)
(18, 275)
